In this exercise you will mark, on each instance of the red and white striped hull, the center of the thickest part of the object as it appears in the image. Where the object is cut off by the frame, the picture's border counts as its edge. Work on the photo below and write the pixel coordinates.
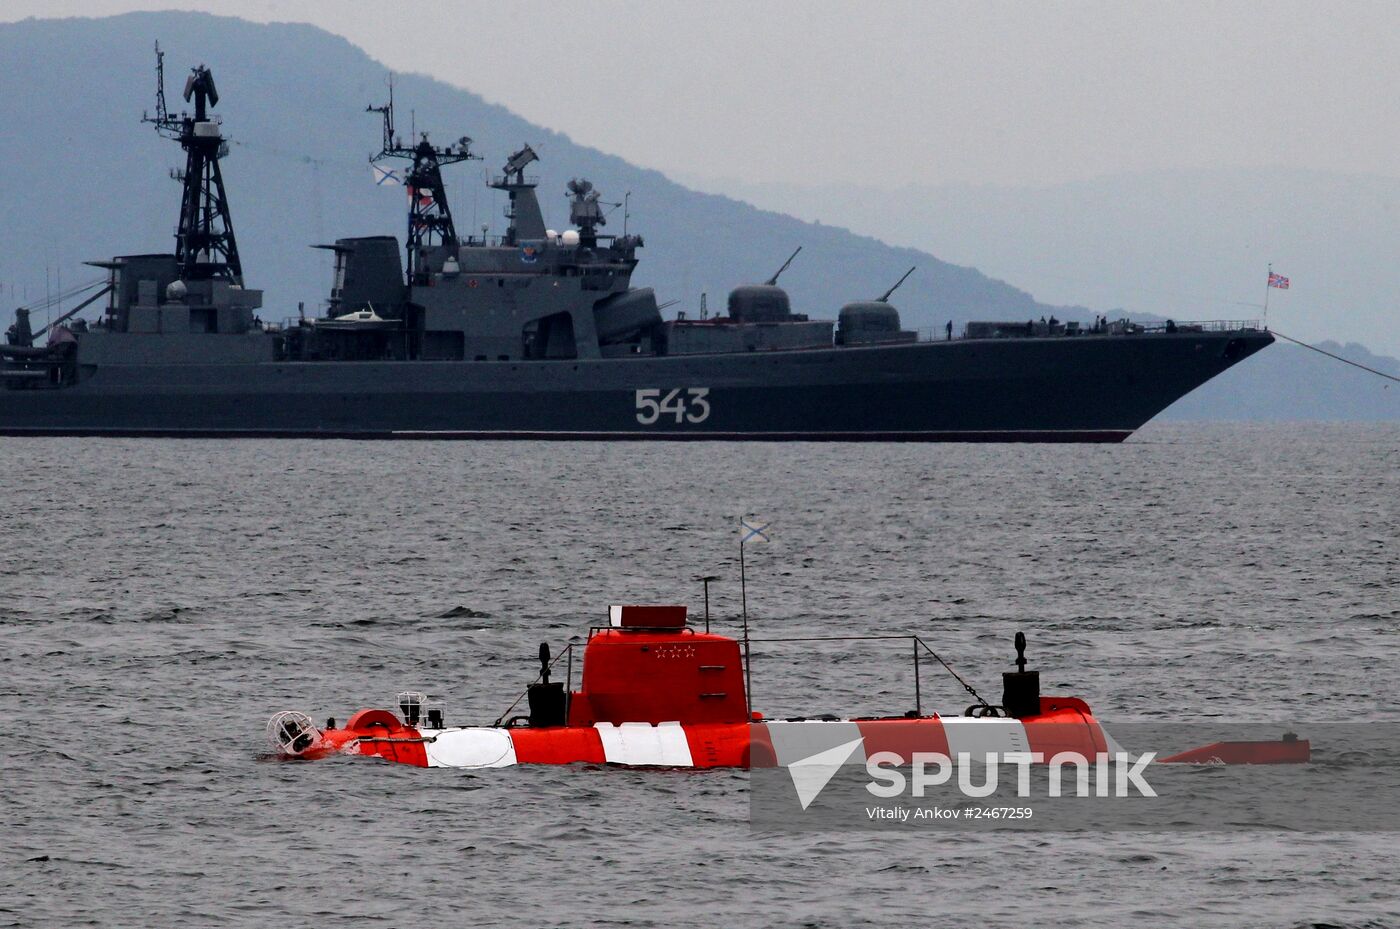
(1065, 726)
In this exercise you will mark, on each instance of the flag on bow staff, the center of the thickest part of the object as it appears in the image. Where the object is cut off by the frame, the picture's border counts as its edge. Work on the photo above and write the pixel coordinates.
(1276, 282)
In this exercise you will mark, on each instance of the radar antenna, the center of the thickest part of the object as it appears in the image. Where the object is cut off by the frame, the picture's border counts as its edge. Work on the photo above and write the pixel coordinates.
(516, 164)
(205, 248)
(886, 297)
(429, 217)
(772, 281)
(585, 210)
(523, 209)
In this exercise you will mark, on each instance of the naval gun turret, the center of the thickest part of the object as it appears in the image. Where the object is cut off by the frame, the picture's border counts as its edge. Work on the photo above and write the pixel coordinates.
(865, 322)
(760, 319)
(763, 303)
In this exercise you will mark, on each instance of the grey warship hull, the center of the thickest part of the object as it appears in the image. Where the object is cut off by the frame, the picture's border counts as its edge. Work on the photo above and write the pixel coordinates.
(538, 334)
(1084, 389)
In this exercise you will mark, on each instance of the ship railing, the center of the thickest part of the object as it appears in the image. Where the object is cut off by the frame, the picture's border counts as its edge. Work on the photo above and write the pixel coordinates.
(1118, 327)
(1031, 329)
(1211, 325)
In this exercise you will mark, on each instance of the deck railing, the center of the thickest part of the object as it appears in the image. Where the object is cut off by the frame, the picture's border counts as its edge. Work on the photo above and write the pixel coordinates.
(1036, 329)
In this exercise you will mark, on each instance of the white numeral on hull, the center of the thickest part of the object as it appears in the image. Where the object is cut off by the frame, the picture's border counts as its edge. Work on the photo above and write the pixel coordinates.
(685, 404)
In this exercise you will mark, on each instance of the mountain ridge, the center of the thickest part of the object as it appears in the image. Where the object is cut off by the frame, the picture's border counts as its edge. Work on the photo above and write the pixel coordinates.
(331, 94)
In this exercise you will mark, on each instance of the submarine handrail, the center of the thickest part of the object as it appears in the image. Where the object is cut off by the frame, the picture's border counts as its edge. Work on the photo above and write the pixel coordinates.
(567, 654)
(915, 640)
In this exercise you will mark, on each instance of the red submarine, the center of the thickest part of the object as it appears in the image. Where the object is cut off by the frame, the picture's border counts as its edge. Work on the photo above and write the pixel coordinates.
(655, 692)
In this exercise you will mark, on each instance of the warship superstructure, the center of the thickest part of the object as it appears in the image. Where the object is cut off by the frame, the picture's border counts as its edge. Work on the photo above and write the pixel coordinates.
(538, 333)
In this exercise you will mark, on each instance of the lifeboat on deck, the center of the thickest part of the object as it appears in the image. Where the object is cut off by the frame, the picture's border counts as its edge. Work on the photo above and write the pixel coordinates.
(657, 693)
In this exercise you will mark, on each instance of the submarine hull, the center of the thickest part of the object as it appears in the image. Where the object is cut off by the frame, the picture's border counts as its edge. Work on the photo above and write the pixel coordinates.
(1057, 389)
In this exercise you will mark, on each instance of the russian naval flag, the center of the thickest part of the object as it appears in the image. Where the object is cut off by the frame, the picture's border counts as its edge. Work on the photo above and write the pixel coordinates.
(753, 529)
(385, 177)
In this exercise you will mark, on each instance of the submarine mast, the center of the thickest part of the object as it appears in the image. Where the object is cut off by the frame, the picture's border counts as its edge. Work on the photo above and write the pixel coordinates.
(429, 217)
(205, 248)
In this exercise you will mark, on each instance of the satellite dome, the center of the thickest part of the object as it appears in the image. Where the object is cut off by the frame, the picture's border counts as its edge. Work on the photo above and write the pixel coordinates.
(570, 237)
(176, 291)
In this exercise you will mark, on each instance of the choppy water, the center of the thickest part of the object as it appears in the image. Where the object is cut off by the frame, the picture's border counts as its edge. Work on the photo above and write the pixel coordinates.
(159, 600)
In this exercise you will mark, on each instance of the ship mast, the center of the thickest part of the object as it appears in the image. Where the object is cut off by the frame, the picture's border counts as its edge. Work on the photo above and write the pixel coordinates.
(429, 217)
(205, 248)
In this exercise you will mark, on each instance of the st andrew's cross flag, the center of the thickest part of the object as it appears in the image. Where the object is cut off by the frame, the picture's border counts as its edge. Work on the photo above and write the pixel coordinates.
(385, 177)
(753, 529)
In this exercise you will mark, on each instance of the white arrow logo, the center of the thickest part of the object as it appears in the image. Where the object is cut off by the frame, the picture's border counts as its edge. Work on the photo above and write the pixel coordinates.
(810, 775)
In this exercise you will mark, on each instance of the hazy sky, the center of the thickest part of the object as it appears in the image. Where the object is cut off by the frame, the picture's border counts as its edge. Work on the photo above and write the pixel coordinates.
(890, 93)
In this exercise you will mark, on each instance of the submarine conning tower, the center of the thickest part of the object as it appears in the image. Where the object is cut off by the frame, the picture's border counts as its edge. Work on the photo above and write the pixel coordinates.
(649, 666)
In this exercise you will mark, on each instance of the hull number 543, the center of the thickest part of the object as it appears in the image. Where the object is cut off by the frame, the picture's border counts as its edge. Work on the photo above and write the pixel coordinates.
(681, 404)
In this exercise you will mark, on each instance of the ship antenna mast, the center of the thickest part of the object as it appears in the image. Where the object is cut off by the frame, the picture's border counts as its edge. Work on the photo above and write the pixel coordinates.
(429, 217)
(886, 297)
(205, 248)
(161, 115)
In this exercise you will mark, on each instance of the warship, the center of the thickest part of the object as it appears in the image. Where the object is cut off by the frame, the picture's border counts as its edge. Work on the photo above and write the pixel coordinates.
(539, 334)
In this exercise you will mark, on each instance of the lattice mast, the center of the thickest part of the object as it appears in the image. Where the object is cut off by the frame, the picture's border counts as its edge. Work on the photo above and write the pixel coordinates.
(205, 248)
(429, 217)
